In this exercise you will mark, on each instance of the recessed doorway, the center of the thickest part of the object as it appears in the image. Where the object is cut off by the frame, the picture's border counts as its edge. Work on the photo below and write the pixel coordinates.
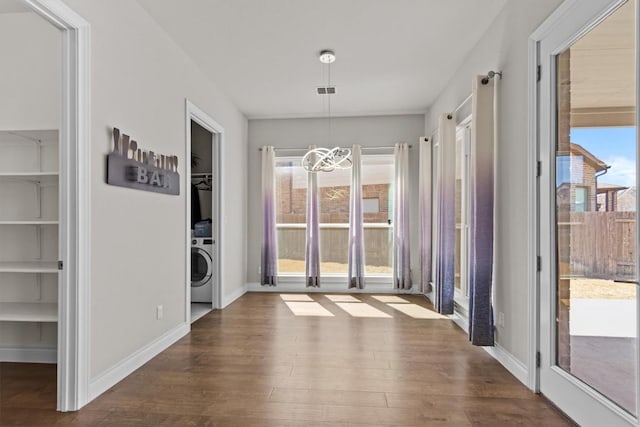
(203, 284)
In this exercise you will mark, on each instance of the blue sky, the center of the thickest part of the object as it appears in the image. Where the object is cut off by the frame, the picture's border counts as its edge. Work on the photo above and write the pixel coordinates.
(615, 146)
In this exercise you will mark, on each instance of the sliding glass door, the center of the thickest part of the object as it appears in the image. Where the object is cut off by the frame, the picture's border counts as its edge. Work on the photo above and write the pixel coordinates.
(588, 218)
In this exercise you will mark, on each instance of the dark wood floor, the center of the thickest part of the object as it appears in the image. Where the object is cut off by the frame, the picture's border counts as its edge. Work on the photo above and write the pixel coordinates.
(258, 364)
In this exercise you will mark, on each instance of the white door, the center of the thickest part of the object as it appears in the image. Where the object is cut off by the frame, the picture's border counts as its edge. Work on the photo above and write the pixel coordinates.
(587, 211)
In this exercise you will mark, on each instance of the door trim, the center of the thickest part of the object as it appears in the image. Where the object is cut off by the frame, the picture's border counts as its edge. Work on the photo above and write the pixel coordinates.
(75, 220)
(193, 113)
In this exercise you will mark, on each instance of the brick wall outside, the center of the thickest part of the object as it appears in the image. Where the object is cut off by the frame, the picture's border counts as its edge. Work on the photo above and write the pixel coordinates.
(334, 203)
(334, 209)
(564, 145)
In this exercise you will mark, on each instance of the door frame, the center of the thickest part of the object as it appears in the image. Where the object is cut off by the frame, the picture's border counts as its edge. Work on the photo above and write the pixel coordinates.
(540, 169)
(74, 299)
(193, 113)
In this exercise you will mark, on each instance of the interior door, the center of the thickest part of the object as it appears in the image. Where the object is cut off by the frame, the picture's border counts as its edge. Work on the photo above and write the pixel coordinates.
(587, 210)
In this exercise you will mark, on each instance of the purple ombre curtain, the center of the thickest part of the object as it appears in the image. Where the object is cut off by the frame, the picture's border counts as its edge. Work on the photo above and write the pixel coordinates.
(424, 189)
(356, 230)
(446, 199)
(481, 323)
(312, 252)
(401, 232)
(269, 256)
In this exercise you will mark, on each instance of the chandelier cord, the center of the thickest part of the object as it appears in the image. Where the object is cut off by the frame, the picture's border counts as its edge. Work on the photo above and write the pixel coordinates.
(329, 101)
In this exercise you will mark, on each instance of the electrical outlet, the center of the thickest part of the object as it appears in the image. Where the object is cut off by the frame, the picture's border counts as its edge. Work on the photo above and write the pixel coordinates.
(501, 319)
(159, 312)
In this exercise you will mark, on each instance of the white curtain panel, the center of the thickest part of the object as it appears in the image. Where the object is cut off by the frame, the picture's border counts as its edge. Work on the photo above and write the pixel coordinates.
(445, 250)
(269, 256)
(401, 232)
(312, 252)
(425, 214)
(481, 223)
(356, 229)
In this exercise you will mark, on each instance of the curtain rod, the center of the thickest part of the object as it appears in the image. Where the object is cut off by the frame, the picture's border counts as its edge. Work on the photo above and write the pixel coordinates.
(389, 147)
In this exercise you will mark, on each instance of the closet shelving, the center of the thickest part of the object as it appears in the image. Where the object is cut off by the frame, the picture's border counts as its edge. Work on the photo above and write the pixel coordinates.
(28, 312)
(29, 223)
(28, 267)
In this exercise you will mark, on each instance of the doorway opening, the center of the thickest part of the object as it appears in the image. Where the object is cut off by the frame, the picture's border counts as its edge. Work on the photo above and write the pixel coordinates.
(204, 137)
(45, 180)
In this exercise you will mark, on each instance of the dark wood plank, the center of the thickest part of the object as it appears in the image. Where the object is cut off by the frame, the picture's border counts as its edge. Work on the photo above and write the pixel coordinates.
(257, 364)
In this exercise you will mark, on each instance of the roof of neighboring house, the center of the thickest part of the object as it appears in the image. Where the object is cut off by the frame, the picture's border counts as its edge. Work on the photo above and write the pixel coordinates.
(604, 188)
(578, 150)
(627, 200)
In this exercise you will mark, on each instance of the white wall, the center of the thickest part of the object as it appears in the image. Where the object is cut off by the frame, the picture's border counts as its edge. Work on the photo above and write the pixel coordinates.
(30, 74)
(373, 131)
(140, 79)
(504, 47)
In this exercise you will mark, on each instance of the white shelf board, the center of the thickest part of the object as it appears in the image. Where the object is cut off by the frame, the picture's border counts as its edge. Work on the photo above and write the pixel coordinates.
(27, 174)
(29, 222)
(29, 267)
(44, 177)
(28, 312)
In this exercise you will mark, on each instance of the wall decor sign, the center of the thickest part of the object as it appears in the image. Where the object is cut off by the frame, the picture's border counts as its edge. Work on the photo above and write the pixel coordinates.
(131, 167)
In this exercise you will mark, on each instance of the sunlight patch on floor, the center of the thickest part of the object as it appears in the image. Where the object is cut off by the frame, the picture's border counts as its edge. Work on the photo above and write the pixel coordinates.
(308, 309)
(361, 309)
(389, 299)
(342, 298)
(416, 311)
(296, 297)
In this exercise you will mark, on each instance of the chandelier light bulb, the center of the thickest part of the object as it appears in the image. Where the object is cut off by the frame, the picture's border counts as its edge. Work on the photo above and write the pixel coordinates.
(327, 56)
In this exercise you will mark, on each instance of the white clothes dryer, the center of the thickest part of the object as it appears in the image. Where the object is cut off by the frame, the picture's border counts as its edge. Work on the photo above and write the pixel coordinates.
(201, 269)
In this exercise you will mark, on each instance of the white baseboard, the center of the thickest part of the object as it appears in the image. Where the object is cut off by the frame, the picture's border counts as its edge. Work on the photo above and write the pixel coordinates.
(506, 359)
(29, 354)
(117, 373)
(462, 322)
(334, 288)
(509, 361)
(228, 299)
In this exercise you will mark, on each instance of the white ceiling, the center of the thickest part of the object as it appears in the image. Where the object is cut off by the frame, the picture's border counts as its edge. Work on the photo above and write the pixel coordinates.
(393, 56)
(603, 63)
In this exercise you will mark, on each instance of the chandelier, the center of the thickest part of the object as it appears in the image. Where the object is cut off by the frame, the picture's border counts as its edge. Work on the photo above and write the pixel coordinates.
(327, 159)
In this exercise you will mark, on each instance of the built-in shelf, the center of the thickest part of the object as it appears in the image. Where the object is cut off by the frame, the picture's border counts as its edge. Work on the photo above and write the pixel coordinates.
(28, 312)
(29, 267)
(44, 177)
(29, 222)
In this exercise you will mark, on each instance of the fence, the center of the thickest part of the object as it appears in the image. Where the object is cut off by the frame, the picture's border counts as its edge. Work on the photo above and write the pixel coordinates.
(597, 244)
(334, 241)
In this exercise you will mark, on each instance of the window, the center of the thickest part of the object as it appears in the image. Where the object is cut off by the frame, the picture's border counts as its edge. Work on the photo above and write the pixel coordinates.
(569, 170)
(334, 189)
(377, 184)
(371, 205)
(291, 215)
(580, 203)
(463, 144)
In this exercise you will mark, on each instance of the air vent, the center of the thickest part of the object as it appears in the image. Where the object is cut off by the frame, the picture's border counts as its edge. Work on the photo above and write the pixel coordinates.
(326, 90)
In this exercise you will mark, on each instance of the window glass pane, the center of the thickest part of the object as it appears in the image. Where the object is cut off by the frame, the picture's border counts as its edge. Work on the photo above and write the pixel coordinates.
(377, 184)
(334, 191)
(460, 161)
(580, 199)
(291, 209)
(371, 205)
(596, 223)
